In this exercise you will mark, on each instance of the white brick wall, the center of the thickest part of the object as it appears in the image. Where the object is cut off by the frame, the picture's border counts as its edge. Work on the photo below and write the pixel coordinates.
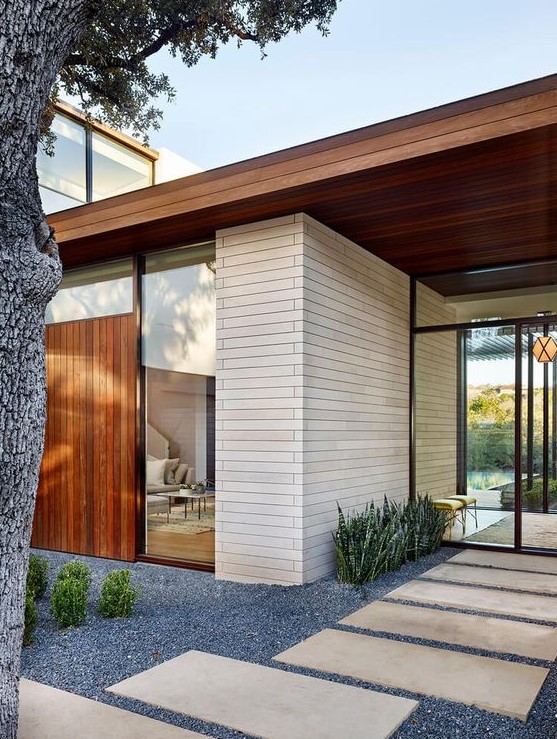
(356, 379)
(312, 394)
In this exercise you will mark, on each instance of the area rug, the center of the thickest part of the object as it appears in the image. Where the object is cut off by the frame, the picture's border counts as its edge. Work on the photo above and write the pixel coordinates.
(538, 530)
(177, 524)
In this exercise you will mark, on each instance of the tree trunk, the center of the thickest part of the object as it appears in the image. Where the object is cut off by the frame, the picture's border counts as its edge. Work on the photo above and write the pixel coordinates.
(35, 38)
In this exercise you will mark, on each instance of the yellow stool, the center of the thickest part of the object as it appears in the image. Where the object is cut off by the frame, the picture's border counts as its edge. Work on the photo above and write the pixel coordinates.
(468, 500)
(454, 507)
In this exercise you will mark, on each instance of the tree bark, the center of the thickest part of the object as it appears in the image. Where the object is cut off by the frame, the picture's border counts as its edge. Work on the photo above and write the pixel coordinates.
(35, 38)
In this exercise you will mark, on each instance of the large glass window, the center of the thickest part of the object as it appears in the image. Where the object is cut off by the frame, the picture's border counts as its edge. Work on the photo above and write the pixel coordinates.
(485, 407)
(538, 440)
(53, 201)
(91, 292)
(487, 402)
(117, 169)
(465, 426)
(178, 354)
(87, 165)
(64, 172)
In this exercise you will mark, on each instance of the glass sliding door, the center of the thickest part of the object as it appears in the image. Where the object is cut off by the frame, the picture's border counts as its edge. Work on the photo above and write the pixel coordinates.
(485, 402)
(178, 357)
(538, 438)
(488, 399)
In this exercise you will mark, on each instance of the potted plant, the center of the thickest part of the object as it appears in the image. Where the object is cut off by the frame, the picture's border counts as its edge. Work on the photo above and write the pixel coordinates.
(199, 486)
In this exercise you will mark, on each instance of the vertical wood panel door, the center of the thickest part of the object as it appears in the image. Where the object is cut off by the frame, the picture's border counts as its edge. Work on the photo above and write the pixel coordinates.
(86, 496)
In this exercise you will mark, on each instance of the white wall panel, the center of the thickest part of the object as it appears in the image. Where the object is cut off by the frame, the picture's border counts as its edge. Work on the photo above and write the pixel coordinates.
(312, 394)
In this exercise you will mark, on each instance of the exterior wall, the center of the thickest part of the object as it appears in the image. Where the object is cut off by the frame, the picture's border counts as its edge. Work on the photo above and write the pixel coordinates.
(170, 166)
(86, 496)
(356, 386)
(436, 398)
(312, 394)
(431, 308)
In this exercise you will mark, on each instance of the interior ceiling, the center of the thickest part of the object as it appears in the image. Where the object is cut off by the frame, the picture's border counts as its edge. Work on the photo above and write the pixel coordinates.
(452, 218)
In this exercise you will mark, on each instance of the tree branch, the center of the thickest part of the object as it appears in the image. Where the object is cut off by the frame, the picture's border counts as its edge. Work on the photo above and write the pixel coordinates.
(166, 36)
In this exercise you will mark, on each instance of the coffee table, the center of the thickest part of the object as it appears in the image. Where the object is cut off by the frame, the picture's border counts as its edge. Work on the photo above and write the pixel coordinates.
(190, 495)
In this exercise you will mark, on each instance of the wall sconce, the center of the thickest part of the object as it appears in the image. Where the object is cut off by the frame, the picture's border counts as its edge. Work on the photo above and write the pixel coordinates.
(544, 349)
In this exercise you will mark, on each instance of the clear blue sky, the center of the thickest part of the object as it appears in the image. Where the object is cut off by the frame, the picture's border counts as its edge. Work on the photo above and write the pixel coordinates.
(381, 60)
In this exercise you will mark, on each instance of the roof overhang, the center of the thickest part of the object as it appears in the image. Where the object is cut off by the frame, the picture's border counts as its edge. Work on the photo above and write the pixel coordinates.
(461, 187)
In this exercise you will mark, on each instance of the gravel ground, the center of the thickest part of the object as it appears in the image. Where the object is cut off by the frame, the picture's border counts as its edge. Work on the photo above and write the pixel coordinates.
(183, 609)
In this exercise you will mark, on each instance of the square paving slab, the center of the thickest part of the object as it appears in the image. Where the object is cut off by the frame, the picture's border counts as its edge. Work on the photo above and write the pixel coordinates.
(522, 605)
(503, 687)
(507, 561)
(532, 582)
(49, 713)
(462, 629)
(266, 702)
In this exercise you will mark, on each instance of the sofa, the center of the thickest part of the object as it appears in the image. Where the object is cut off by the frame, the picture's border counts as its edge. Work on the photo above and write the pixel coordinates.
(165, 476)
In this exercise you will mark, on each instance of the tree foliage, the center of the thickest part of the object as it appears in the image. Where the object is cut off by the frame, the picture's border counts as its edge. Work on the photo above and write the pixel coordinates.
(108, 70)
(491, 413)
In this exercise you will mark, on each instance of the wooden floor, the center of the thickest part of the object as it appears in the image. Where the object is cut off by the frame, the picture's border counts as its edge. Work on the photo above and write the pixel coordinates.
(195, 548)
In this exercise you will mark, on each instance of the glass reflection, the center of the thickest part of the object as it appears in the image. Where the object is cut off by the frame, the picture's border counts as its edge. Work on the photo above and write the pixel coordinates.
(64, 172)
(178, 352)
(116, 169)
(93, 292)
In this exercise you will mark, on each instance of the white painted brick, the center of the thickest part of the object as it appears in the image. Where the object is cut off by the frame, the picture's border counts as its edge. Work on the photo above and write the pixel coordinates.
(277, 499)
(338, 369)
(295, 555)
(245, 491)
(256, 312)
(263, 265)
(257, 296)
(257, 508)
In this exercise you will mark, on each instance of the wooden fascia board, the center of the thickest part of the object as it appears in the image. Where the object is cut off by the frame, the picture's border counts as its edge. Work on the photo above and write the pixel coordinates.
(264, 176)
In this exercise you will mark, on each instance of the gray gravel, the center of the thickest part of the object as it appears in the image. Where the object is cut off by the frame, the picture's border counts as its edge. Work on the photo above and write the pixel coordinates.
(182, 609)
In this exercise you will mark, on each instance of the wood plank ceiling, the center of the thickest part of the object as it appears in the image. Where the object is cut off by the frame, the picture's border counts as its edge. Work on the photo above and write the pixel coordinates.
(467, 186)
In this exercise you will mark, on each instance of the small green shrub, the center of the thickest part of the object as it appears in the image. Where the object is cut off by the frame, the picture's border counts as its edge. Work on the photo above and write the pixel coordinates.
(375, 540)
(75, 570)
(118, 595)
(31, 617)
(68, 601)
(37, 579)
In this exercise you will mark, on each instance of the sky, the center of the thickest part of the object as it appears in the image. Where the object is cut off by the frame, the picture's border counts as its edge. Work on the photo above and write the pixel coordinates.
(381, 60)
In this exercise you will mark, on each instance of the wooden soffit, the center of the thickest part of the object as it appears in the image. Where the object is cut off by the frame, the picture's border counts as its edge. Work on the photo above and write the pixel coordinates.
(464, 186)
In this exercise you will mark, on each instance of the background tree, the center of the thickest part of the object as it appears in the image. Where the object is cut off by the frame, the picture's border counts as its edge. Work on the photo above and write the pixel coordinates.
(97, 50)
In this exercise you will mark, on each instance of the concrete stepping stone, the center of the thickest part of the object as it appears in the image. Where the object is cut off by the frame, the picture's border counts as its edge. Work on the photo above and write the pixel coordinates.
(507, 561)
(266, 702)
(466, 597)
(49, 713)
(531, 582)
(461, 629)
(503, 687)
